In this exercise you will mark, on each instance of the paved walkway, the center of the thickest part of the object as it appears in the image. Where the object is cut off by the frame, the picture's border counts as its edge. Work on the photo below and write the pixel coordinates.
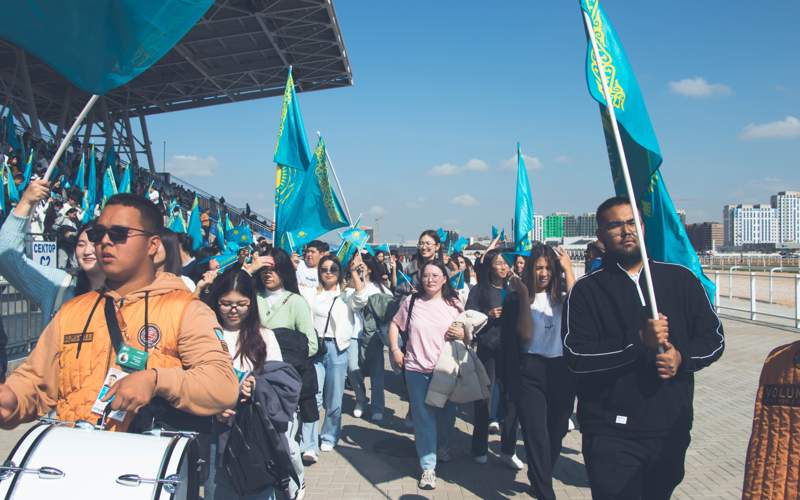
(380, 461)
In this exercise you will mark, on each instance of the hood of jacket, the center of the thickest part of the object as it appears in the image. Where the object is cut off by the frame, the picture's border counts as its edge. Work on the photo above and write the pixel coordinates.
(163, 284)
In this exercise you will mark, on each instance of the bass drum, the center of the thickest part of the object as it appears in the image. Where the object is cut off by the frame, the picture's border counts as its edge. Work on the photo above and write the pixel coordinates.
(56, 461)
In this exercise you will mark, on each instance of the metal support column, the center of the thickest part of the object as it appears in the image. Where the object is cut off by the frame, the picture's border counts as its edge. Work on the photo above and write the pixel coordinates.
(62, 121)
(108, 129)
(28, 89)
(148, 147)
(131, 142)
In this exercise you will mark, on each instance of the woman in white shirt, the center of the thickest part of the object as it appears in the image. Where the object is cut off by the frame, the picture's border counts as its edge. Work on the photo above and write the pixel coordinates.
(541, 384)
(333, 309)
(233, 299)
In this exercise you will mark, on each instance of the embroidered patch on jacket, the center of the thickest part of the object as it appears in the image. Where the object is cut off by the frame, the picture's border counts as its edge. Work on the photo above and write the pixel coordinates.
(153, 335)
(781, 395)
(74, 338)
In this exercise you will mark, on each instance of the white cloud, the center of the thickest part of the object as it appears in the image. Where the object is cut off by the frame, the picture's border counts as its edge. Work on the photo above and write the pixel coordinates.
(418, 202)
(563, 159)
(698, 88)
(476, 165)
(446, 169)
(190, 165)
(376, 211)
(531, 163)
(783, 129)
(464, 200)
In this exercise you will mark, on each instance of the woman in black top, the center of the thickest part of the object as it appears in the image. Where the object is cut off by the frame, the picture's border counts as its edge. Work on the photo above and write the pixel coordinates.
(488, 297)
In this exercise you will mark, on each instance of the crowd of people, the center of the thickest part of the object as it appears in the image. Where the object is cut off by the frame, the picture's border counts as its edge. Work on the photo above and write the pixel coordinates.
(513, 335)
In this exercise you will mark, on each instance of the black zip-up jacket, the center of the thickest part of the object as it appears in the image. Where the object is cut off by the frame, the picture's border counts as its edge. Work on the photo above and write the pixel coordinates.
(619, 392)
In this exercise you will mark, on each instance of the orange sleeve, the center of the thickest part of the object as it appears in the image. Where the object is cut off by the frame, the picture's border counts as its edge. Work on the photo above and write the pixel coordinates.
(206, 384)
(35, 382)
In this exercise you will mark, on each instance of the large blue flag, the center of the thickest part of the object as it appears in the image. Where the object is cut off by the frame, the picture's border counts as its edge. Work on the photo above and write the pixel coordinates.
(238, 237)
(97, 44)
(665, 236)
(80, 175)
(176, 222)
(638, 137)
(523, 208)
(317, 209)
(125, 183)
(195, 228)
(292, 156)
(91, 185)
(109, 185)
(26, 175)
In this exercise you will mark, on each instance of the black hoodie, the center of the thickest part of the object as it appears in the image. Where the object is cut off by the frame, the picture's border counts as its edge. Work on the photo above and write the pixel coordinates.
(619, 392)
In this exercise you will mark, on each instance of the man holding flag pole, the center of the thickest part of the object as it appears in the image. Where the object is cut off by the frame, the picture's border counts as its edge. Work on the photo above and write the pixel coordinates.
(634, 366)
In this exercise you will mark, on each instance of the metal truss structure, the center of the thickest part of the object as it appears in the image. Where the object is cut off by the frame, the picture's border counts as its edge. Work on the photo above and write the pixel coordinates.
(240, 50)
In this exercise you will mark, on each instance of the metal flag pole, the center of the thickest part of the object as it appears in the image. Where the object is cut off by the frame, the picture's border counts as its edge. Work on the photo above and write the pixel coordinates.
(65, 142)
(336, 178)
(651, 293)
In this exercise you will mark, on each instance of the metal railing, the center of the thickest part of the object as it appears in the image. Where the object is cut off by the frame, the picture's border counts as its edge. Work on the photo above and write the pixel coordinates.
(22, 321)
(771, 296)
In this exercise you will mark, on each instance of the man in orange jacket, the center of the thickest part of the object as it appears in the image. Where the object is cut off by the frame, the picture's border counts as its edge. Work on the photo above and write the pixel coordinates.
(142, 335)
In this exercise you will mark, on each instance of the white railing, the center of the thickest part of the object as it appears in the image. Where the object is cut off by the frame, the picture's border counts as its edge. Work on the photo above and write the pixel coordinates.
(772, 296)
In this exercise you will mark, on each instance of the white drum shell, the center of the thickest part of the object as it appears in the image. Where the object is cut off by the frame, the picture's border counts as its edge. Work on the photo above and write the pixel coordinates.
(92, 460)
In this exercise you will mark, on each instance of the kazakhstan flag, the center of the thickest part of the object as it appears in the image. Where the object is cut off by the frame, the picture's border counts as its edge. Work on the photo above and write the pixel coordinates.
(665, 235)
(293, 157)
(317, 209)
(523, 210)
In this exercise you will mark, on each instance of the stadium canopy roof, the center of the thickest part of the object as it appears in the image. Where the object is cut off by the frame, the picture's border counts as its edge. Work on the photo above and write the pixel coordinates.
(240, 50)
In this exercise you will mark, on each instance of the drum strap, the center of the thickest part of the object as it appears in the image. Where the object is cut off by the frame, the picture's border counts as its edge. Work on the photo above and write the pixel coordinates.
(113, 325)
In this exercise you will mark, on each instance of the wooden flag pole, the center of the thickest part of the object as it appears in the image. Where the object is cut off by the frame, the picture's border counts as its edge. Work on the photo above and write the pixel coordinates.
(64, 143)
(651, 293)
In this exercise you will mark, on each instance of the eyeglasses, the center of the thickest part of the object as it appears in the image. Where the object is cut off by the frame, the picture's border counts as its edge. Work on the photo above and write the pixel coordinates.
(615, 226)
(117, 234)
(333, 269)
(426, 244)
(233, 305)
(432, 277)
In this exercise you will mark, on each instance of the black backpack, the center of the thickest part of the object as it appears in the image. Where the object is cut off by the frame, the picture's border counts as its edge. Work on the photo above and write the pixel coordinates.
(256, 455)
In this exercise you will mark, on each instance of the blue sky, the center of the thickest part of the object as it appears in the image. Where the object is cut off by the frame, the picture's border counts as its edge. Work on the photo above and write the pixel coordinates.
(449, 87)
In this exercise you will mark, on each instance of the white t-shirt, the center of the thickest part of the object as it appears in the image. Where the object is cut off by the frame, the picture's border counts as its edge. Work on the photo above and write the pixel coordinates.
(320, 306)
(189, 283)
(546, 328)
(306, 276)
(232, 341)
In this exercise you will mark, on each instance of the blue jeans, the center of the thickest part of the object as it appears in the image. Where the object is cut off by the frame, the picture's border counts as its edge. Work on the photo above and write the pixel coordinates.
(310, 434)
(374, 359)
(432, 426)
(219, 487)
(354, 373)
(331, 372)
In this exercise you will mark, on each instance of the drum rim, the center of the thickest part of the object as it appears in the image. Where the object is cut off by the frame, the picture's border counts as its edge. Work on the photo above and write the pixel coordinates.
(28, 453)
(165, 459)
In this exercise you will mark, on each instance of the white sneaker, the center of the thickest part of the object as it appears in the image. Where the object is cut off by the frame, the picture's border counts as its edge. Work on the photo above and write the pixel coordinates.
(494, 428)
(428, 480)
(480, 459)
(310, 457)
(377, 417)
(326, 446)
(443, 455)
(512, 461)
(358, 410)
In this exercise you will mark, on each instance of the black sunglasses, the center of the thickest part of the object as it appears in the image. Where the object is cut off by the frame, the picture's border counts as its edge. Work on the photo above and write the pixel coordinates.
(117, 234)
(332, 269)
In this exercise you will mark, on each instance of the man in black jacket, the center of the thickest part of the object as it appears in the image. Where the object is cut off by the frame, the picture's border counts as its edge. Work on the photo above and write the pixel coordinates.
(635, 402)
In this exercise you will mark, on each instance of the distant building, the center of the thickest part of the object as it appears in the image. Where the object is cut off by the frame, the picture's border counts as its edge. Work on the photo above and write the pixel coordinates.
(554, 226)
(706, 236)
(750, 225)
(538, 227)
(682, 215)
(587, 224)
(787, 207)
(570, 226)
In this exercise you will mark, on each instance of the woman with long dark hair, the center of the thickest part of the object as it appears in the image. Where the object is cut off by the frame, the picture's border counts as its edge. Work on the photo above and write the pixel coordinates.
(168, 258)
(427, 317)
(280, 305)
(488, 297)
(233, 299)
(48, 286)
(537, 375)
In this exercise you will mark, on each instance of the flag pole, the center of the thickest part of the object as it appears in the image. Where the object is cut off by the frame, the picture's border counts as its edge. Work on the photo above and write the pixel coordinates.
(651, 293)
(336, 178)
(65, 142)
